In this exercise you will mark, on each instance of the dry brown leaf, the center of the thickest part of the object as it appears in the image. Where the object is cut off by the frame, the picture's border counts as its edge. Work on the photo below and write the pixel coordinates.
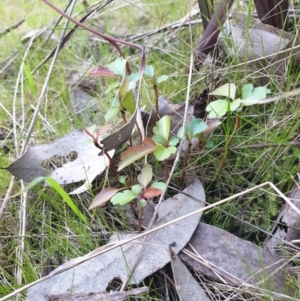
(237, 261)
(86, 166)
(186, 285)
(102, 296)
(100, 270)
(289, 219)
(256, 42)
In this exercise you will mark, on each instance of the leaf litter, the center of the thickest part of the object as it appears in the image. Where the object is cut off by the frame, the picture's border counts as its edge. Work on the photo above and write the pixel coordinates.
(86, 166)
(100, 270)
(221, 255)
(101, 296)
(186, 285)
(287, 226)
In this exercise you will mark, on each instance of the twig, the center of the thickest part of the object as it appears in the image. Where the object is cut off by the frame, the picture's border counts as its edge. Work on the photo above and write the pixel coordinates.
(9, 29)
(6, 198)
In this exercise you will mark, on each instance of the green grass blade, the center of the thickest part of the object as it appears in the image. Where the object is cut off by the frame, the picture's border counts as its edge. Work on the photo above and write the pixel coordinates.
(66, 198)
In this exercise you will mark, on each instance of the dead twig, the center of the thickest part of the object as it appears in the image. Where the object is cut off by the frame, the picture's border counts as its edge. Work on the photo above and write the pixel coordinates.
(9, 29)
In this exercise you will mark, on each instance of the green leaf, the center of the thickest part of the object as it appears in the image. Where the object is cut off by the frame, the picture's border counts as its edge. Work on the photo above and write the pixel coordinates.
(173, 141)
(66, 198)
(228, 90)
(118, 66)
(209, 144)
(158, 139)
(181, 133)
(123, 90)
(217, 108)
(235, 105)
(111, 87)
(160, 185)
(114, 103)
(197, 126)
(188, 132)
(162, 153)
(122, 180)
(252, 95)
(110, 114)
(103, 196)
(128, 102)
(33, 183)
(29, 78)
(142, 203)
(246, 91)
(162, 79)
(163, 127)
(122, 198)
(134, 77)
(136, 152)
(136, 189)
(149, 71)
(91, 129)
(145, 176)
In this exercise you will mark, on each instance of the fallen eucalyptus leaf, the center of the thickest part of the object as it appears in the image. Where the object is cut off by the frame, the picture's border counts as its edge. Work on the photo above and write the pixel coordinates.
(101, 296)
(237, 261)
(95, 274)
(116, 139)
(186, 285)
(289, 224)
(251, 42)
(86, 166)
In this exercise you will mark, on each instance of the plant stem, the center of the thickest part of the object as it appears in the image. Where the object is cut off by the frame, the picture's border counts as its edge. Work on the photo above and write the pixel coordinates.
(185, 160)
(228, 143)
(156, 100)
(96, 143)
(166, 170)
(140, 219)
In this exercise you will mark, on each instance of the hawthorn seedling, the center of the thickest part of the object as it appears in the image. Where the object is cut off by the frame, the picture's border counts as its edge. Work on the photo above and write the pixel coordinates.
(140, 191)
(149, 71)
(250, 96)
(165, 145)
(124, 86)
(220, 107)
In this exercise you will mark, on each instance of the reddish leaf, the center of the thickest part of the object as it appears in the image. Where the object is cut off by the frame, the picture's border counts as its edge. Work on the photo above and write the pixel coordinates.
(212, 125)
(136, 152)
(151, 192)
(103, 196)
(103, 71)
